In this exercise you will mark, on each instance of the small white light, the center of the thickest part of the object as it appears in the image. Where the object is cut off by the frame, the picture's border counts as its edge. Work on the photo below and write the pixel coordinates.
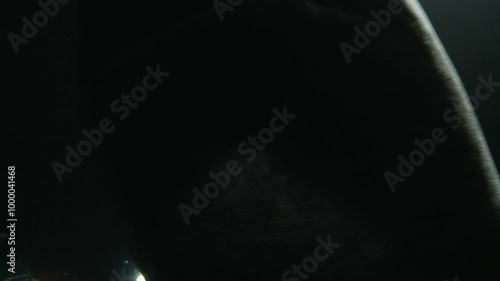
(140, 278)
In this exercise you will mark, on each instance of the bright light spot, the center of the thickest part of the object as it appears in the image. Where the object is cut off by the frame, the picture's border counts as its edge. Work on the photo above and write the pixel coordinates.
(140, 278)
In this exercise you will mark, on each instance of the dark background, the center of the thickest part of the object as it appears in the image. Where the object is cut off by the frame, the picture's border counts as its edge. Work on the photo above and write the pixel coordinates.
(70, 225)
